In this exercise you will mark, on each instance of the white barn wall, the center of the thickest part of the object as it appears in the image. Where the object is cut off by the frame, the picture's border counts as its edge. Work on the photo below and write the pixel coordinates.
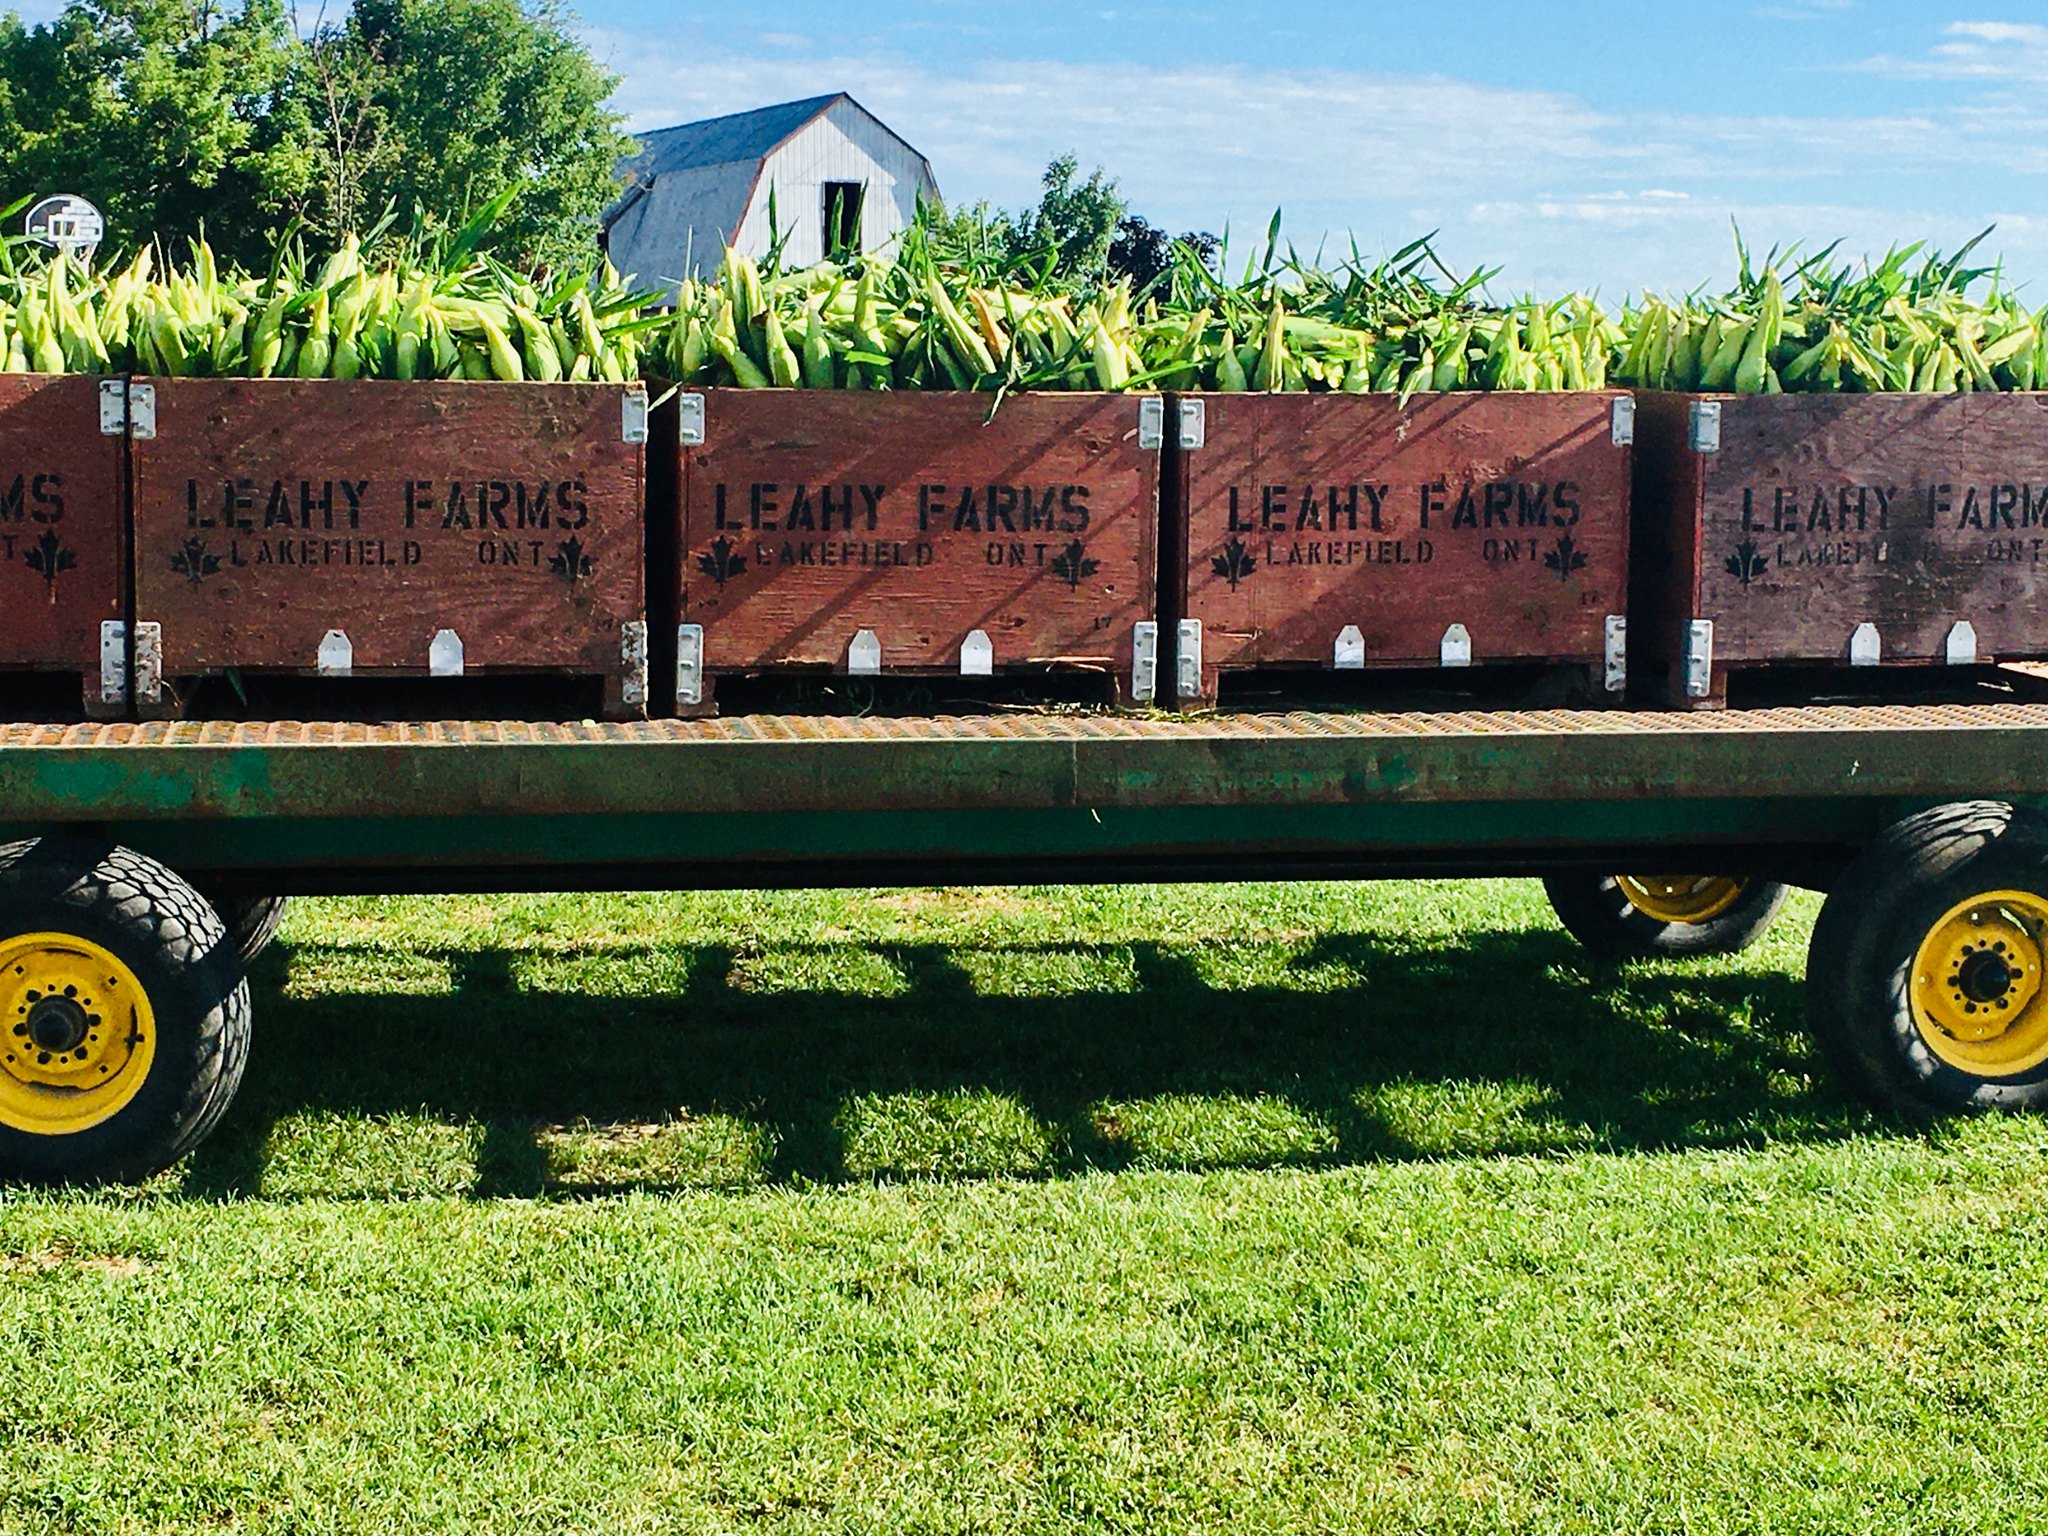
(841, 144)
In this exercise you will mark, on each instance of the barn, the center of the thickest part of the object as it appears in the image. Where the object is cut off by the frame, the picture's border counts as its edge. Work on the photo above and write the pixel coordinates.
(840, 177)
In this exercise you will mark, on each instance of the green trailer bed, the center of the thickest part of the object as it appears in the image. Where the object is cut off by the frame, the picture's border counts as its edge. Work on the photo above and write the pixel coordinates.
(141, 865)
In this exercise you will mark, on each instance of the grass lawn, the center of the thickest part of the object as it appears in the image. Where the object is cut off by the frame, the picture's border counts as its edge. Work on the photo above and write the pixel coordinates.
(1241, 1209)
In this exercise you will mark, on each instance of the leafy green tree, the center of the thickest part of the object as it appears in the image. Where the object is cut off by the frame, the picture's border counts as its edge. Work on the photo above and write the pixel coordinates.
(153, 109)
(177, 114)
(432, 107)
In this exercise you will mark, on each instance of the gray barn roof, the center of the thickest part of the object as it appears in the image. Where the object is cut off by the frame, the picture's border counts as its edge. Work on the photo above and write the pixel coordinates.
(723, 140)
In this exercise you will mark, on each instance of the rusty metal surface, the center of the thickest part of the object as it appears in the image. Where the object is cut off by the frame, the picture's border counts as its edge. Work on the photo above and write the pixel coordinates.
(1014, 763)
(1803, 721)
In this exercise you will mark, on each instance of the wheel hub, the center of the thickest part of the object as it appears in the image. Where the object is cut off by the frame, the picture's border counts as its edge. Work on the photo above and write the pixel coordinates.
(1977, 985)
(77, 1035)
(1682, 898)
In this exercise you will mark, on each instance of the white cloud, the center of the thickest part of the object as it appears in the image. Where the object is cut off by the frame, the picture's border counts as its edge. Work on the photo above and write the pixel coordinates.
(1974, 50)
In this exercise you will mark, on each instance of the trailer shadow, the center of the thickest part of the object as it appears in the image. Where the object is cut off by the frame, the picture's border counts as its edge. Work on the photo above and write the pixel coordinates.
(762, 1067)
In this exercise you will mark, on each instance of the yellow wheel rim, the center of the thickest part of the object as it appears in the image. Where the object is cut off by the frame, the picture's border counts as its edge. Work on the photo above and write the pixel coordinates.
(77, 1035)
(1682, 898)
(1977, 985)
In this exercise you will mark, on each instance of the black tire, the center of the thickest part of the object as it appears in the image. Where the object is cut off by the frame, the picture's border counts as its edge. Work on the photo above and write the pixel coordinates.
(251, 922)
(173, 942)
(1596, 910)
(1860, 964)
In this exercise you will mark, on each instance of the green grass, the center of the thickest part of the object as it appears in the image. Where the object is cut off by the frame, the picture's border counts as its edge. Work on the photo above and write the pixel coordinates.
(1260, 1208)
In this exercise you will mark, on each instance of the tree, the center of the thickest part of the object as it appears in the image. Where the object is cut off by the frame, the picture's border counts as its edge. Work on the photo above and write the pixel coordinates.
(177, 114)
(432, 107)
(1144, 253)
(150, 108)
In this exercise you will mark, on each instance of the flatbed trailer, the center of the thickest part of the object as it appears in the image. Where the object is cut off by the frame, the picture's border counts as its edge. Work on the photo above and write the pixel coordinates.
(1928, 825)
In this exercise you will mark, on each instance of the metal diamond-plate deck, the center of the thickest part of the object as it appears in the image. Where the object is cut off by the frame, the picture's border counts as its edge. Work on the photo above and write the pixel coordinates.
(1298, 726)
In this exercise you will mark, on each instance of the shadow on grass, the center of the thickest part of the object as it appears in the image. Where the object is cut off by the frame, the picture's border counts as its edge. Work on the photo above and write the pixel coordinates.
(1507, 1042)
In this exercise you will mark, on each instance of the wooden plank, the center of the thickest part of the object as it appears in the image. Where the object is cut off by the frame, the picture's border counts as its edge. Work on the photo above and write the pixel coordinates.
(1505, 513)
(270, 512)
(811, 516)
(1909, 512)
(61, 560)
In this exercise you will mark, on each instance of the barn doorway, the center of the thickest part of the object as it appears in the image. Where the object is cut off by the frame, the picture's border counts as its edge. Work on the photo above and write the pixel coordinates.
(842, 217)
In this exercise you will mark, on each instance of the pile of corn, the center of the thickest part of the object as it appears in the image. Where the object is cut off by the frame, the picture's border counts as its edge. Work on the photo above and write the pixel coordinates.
(1890, 327)
(349, 319)
(914, 324)
(923, 320)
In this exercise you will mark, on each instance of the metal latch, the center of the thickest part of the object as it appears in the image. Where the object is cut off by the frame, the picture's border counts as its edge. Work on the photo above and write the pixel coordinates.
(690, 420)
(977, 655)
(142, 412)
(1144, 661)
(1188, 658)
(1703, 426)
(113, 662)
(689, 663)
(336, 656)
(1152, 423)
(1455, 650)
(445, 656)
(1194, 424)
(1617, 653)
(1699, 658)
(864, 655)
(633, 663)
(1349, 653)
(633, 414)
(1625, 421)
(149, 663)
(1866, 649)
(1962, 645)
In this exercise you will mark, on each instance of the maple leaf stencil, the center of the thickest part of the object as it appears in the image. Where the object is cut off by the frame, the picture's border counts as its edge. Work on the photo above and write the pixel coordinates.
(570, 562)
(49, 558)
(721, 562)
(1235, 564)
(193, 561)
(1567, 558)
(1747, 564)
(1073, 566)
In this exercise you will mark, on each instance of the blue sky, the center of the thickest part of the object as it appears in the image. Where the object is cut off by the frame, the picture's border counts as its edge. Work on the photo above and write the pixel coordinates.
(1587, 143)
(1582, 144)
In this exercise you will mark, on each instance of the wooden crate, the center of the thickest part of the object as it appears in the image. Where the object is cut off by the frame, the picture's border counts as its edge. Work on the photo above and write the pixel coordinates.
(916, 533)
(1349, 533)
(61, 560)
(369, 529)
(1843, 530)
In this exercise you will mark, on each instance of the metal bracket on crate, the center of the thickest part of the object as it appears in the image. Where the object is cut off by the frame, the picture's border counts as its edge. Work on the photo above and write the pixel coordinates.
(1961, 650)
(1617, 653)
(633, 663)
(444, 654)
(1703, 426)
(633, 417)
(113, 408)
(1625, 421)
(1152, 423)
(149, 663)
(1865, 648)
(142, 412)
(1188, 658)
(336, 656)
(1194, 425)
(113, 662)
(1456, 647)
(864, 655)
(1145, 661)
(1349, 652)
(689, 663)
(690, 420)
(977, 655)
(1699, 658)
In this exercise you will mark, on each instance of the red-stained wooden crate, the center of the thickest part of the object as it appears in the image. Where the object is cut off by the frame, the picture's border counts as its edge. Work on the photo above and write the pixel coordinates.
(896, 532)
(1843, 530)
(1350, 533)
(61, 561)
(351, 528)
